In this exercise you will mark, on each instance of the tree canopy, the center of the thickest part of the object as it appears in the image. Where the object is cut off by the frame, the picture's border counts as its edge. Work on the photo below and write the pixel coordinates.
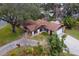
(14, 13)
(22, 11)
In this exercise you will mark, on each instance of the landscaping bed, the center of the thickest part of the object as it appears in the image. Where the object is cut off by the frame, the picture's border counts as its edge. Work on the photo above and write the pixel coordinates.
(32, 51)
(40, 36)
(6, 35)
(28, 51)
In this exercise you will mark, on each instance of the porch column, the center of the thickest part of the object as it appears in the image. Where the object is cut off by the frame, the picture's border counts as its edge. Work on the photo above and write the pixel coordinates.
(38, 31)
(48, 31)
(64, 28)
(32, 32)
(25, 35)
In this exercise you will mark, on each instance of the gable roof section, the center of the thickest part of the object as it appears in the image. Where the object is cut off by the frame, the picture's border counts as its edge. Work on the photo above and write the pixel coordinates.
(33, 25)
(53, 26)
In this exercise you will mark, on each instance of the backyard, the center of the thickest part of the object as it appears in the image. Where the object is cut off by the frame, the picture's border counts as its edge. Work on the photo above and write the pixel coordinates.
(6, 35)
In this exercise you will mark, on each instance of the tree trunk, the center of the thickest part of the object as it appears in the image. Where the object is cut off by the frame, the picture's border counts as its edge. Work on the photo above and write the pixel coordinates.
(13, 28)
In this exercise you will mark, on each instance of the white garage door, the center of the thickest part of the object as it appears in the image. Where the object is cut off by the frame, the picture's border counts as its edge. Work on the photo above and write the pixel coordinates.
(60, 31)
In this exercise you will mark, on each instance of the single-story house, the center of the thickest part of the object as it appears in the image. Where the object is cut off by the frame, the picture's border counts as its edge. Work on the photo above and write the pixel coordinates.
(35, 27)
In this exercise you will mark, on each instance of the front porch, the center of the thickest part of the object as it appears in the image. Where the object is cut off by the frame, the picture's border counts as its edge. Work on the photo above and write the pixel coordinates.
(38, 31)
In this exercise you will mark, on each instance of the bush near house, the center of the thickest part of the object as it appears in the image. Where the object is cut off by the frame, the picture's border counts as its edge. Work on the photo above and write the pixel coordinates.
(69, 22)
(72, 26)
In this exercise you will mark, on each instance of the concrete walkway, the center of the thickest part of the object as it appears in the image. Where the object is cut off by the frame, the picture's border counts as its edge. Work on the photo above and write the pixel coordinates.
(23, 42)
(73, 44)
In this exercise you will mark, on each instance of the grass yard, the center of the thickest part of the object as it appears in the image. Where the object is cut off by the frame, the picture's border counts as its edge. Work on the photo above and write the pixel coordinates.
(41, 36)
(7, 36)
(73, 32)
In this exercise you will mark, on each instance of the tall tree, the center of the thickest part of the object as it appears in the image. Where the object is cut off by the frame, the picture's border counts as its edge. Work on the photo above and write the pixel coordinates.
(62, 10)
(14, 13)
(7, 13)
(56, 7)
(71, 8)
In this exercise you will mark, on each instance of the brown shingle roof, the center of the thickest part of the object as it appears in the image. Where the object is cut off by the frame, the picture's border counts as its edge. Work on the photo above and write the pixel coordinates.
(33, 25)
(41, 22)
(53, 26)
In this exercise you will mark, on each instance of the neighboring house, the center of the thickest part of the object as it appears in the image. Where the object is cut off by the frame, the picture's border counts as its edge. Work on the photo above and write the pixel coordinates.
(35, 27)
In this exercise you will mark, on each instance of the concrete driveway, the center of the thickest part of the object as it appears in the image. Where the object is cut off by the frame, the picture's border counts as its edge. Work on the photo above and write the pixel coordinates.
(23, 42)
(73, 44)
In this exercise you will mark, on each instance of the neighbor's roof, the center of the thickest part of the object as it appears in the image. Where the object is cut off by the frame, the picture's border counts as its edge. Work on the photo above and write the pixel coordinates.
(33, 25)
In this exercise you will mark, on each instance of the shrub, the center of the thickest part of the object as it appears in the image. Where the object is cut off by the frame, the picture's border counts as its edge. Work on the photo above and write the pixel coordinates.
(64, 36)
(69, 22)
(55, 45)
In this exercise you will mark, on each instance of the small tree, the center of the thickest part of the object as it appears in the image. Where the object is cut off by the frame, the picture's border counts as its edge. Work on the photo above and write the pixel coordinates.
(55, 45)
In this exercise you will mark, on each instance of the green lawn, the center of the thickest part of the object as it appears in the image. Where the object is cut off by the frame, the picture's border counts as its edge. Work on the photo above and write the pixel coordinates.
(73, 32)
(41, 36)
(6, 35)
